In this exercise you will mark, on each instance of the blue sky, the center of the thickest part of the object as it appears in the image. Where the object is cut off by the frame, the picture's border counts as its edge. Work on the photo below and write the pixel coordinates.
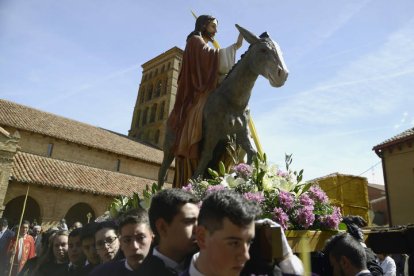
(351, 66)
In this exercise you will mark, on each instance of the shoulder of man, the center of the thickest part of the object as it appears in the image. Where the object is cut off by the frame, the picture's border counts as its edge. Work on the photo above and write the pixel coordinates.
(152, 265)
(109, 269)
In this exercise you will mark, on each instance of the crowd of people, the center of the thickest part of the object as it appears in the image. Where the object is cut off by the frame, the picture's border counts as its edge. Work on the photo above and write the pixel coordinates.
(174, 237)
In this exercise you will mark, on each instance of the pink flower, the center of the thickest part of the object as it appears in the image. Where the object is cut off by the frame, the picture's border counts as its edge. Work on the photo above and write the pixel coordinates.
(317, 194)
(243, 170)
(305, 217)
(281, 217)
(214, 188)
(257, 197)
(305, 200)
(332, 221)
(188, 188)
(286, 200)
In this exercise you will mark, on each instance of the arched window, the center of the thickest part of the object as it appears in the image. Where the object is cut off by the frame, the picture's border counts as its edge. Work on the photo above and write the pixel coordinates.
(79, 212)
(138, 118)
(162, 68)
(149, 92)
(153, 112)
(165, 88)
(15, 206)
(144, 117)
(161, 113)
(157, 136)
(158, 89)
(142, 94)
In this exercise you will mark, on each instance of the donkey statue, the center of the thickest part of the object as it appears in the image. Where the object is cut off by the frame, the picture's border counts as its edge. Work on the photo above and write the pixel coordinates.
(225, 111)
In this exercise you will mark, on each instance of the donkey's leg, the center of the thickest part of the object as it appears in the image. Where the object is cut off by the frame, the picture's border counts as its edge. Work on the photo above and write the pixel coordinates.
(166, 162)
(242, 139)
(209, 144)
(168, 157)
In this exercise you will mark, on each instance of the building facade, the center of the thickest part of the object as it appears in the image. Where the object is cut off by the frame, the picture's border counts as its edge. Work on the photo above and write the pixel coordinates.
(397, 155)
(72, 170)
(156, 97)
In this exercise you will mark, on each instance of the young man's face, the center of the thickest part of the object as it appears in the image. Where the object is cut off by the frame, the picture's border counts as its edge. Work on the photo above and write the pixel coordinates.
(75, 253)
(136, 241)
(60, 248)
(227, 249)
(179, 235)
(88, 248)
(24, 229)
(337, 266)
(107, 244)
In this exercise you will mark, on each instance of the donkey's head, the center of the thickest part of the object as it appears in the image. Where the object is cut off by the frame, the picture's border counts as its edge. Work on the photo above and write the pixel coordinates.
(266, 57)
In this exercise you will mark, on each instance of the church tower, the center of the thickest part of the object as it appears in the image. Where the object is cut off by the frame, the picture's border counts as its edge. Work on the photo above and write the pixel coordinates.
(156, 97)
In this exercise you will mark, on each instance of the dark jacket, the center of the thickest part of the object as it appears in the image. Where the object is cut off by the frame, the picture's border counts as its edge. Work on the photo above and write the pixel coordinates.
(153, 265)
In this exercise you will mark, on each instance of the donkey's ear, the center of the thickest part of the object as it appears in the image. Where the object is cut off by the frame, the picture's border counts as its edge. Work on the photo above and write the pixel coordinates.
(247, 35)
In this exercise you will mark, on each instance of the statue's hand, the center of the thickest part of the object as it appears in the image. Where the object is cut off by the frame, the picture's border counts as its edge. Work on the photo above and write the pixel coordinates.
(239, 41)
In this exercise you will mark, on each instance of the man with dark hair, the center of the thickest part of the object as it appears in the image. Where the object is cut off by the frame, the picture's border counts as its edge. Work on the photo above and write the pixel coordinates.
(346, 256)
(135, 238)
(87, 239)
(75, 254)
(5, 236)
(226, 228)
(173, 217)
(107, 242)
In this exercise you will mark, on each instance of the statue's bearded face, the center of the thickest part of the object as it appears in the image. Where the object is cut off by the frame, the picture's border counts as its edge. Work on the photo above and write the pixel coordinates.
(211, 29)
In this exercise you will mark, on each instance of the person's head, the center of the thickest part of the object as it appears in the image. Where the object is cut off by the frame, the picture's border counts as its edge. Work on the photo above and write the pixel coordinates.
(346, 255)
(173, 217)
(88, 243)
(59, 244)
(381, 257)
(206, 26)
(3, 223)
(37, 229)
(24, 228)
(225, 231)
(135, 236)
(77, 224)
(106, 240)
(75, 252)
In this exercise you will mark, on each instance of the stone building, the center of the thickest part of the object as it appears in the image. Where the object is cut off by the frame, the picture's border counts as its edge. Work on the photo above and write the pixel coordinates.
(397, 155)
(156, 97)
(70, 168)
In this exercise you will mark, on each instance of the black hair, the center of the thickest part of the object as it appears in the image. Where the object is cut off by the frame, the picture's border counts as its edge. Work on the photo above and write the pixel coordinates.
(227, 204)
(88, 231)
(344, 244)
(201, 24)
(75, 233)
(26, 222)
(166, 204)
(134, 216)
(107, 224)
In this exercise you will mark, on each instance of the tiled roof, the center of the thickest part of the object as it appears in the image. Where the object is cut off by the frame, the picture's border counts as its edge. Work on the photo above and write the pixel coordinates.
(39, 170)
(33, 120)
(399, 138)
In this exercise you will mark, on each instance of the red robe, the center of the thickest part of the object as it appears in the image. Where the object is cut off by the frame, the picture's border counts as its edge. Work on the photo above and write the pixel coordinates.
(198, 77)
(28, 252)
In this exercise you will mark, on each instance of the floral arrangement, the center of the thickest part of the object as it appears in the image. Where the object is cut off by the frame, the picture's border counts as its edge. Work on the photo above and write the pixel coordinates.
(282, 196)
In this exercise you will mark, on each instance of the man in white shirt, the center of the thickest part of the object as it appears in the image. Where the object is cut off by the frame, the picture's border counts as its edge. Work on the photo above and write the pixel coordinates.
(173, 217)
(387, 264)
(226, 228)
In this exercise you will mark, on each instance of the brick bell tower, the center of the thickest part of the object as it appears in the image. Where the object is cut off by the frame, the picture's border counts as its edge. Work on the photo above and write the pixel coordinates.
(156, 97)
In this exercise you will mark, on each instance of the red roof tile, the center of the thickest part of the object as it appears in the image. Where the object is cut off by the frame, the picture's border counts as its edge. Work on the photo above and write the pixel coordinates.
(399, 138)
(29, 119)
(34, 169)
